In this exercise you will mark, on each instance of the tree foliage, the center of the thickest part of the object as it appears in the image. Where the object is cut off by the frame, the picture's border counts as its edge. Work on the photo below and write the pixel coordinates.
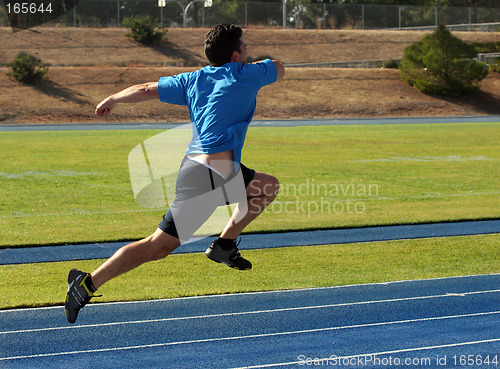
(143, 29)
(458, 3)
(495, 67)
(27, 69)
(442, 64)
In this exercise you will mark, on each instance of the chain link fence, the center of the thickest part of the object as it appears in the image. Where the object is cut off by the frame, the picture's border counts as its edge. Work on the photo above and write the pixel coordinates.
(290, 14)
(488, 58)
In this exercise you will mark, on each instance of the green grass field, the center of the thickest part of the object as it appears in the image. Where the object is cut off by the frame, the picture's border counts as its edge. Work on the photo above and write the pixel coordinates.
(285, 268)
(74, 186)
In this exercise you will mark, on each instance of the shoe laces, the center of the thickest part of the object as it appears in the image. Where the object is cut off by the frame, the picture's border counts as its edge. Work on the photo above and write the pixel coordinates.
(237, 254)
(89, 292)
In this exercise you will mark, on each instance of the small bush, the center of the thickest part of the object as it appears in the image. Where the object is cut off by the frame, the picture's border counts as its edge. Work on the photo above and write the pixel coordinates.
(392, 64)
(27, 69)
(442, 64)
(143, 30)
(487, 47)
(495, 67)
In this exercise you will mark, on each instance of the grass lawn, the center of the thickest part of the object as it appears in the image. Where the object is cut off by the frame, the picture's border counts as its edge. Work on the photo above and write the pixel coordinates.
(74, 186)
(284, 268)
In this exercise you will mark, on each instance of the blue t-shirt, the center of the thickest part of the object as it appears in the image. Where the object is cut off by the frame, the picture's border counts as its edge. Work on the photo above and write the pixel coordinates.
(221, 102)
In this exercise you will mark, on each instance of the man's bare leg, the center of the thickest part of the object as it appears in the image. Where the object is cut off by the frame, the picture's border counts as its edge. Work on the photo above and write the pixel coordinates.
(82, 286)
(154, 247)
(261, 191)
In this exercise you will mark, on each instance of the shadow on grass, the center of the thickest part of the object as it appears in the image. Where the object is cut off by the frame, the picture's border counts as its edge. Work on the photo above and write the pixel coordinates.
(482, 102)
(54, 89)
(187, 58)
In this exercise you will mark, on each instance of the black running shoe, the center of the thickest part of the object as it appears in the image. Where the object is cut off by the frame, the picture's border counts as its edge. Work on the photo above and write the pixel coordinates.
(231, 257)
(78, 295)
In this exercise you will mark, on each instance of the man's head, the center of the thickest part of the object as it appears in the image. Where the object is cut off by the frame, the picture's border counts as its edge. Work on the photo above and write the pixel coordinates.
(223, 44)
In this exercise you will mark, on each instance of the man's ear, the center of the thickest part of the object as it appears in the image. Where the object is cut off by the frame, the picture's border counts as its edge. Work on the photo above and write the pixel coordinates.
(235, 57)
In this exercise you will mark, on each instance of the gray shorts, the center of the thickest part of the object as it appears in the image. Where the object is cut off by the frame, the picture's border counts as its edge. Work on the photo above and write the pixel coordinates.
(198, 192)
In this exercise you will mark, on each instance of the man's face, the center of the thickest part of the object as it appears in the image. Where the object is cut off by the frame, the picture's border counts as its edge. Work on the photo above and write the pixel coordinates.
(241, 57)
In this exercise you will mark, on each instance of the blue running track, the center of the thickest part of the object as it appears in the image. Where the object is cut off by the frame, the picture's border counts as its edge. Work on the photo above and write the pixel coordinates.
(426, 323)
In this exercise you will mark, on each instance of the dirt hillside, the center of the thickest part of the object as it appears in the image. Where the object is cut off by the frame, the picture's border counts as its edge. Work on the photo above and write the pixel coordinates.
(86, 65)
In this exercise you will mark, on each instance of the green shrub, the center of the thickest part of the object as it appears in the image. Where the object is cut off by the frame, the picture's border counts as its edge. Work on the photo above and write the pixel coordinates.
(487, 47)
(27, 69)
(143, 29)
(495, 67)
(442, 64)
(392, 64)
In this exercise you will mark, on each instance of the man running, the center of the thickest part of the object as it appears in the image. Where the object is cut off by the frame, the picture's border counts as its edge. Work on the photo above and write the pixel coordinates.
(221, 99)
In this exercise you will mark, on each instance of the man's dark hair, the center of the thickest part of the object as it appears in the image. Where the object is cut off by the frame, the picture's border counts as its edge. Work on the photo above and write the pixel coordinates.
(220, 42)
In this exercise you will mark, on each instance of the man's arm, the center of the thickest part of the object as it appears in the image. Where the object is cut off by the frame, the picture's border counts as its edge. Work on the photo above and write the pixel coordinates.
(280, 68)
(137, 93)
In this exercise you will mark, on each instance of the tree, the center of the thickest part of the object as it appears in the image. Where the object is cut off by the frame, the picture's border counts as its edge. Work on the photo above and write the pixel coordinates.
(27, 69)
(442, 64)
(459, 3)
(143, 29)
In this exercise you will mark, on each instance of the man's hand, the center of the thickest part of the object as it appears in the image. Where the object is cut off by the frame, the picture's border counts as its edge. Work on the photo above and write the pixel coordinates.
(104, 107)
(133, 94)
(280, 68)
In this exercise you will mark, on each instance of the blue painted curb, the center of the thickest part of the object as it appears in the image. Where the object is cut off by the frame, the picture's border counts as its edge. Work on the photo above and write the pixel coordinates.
(261, 241)
(255, 123)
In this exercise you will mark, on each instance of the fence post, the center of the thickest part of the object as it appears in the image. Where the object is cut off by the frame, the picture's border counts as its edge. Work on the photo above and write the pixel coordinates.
(246, 14)
(324, 16)
(161, 5)
(399, 16)
(436, 16)
(363, 16)
(470, 19)
(284, 14)
(118, 13)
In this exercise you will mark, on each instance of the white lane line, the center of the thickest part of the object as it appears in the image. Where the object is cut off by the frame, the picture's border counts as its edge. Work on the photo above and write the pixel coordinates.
(252, 312)
(426, 196)
(374, 354)
(249, 336)
(80, 212)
